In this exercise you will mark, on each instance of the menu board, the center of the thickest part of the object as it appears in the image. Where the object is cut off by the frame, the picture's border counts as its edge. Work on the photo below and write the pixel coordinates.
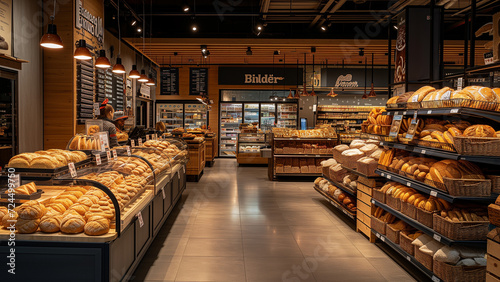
(198, 81)
(169, 81)
(85, 89)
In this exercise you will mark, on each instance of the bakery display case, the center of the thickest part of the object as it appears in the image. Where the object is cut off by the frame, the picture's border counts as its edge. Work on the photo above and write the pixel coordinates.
(287, 116)
(170, 114)
(249, 145)
(195, 116)
(231, 115)
(267, 116)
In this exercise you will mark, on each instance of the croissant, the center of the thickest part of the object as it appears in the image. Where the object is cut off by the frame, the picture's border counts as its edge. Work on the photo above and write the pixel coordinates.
(31, 210)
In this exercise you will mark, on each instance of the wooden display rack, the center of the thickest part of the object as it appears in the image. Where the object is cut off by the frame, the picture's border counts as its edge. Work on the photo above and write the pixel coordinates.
(250, 158)
(196, 164)
(210, 150)
(364, 207)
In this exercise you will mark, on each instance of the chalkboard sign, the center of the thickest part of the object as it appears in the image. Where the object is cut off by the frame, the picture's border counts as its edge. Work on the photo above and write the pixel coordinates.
(169, 81)
(198, 81)
(85, 89)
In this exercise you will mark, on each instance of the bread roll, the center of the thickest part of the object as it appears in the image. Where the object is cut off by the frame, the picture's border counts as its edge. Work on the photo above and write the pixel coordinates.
(420, 94)
(479, 130)
(97, 225)
(462, 94)
(45, 162)
(51, 224)
(31, 210)
(72, 224)
(27, 225)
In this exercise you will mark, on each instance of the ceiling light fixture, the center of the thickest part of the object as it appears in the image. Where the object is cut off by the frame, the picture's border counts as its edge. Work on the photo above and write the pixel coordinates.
(249, 51)
(185, 8)
(143, 77)
(134, 23)
(150, 81)
(139, 30)
(134, 74)
(82, 52)
(51, 39)
(118, 68)
(102, 62)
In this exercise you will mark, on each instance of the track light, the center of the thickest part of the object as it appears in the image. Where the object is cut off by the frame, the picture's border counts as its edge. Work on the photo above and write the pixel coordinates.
(194, 26)
(82, 52)
(134, 23)
(249, 51)
(323, 28)
(118, 67)
(134, 74)
(185, 8)
(139, 30)
(51, 39)
(203, 49)
(102, 62)
(143, 77)
(395, 27)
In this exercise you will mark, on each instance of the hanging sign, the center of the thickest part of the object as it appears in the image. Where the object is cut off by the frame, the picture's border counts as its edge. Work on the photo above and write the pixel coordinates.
(260, 76)
(88, 22)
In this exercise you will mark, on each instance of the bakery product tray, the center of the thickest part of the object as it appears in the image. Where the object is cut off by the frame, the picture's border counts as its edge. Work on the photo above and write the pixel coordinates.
(49, 172)
(5, 195)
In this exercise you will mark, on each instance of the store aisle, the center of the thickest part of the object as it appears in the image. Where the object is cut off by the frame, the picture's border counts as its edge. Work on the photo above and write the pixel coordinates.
(235, 225)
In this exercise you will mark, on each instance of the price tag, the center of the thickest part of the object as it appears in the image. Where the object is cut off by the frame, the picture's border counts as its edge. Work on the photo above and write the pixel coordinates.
(429, 112)
(72, 169)
(434, 193)
(437, 237)
(108, 154)
(423, 152)
(408, 258)
(329, 139)
(412, 128)
(382, 174)
(382, 238)
(373, 201)
(396, 113)
(377, 234)
(140, 141)
(408, 184)
(415, 113)
(454, 111)
(147, 137)
(141, 221)
(404, 113)
(317, 156)
(132, 143)
(163, 192)
(128, 151)
(389, 176)
(98, 159)
(115, 156)
(435, 279)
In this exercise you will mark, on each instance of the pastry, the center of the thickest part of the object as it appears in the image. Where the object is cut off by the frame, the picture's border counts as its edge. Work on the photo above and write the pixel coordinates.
(31, 210)
(79, 208)
(96, 225)
(51, 224)
(9, 219)
(27, 225)
(479, 130)
(72, 224)
(26, 189)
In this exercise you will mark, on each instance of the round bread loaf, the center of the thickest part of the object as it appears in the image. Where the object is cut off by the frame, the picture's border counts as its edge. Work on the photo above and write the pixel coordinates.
(420, 94)
(31, 210)
(51, 224)
(97, 225)
(479, 130)
(27, 226)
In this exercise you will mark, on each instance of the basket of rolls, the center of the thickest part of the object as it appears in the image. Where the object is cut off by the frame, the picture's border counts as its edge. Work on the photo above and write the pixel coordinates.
(458, 263)
(494, 212)
(380, 219)
(427, 208)
(406, 237)
(394, 229)
(462, 224)
(459, 178)
(478, 140)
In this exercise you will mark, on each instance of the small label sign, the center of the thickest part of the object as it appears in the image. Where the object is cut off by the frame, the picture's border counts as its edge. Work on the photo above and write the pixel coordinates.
(460, 82)
(72, 169)
(132, 143)
(454, 111)
(437, 237)
(115, 156)
(163, 192)
(389, 176)
(128, 151)
(141, 221)
(98, 159)
(435, 279)
(434, 193)
(396, 125)
(140, 141)
(108, 154)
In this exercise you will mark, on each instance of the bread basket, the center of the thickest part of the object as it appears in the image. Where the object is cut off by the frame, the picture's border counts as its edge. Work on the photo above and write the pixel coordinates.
(495, 183)
(461, 231)
(494, 214)
(379, 195)
(409, 210)
(468, 187)
(378, 225)
(392, 234)
(392, 202)
(425, 259)
(477, 146)
(425, 217)
(405, 243)
(454, 273)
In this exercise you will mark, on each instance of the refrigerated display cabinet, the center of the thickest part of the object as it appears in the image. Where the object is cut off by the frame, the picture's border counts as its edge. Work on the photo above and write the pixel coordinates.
(231, 115)
(249, 145)
(195, 115)
(267, 116)
(181, 114)
(287, 116)
(170, 114)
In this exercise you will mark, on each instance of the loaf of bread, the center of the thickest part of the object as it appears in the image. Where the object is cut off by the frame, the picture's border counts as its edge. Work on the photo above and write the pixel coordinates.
(404, 98)
(72, 224)
(27, 226)
(368, 149)
(441, 94)
(479, 130)
(482, 93)
(31, 210)
(392, 100)
(357, 143)
(462, 94)
(337, 151)
(420, 94)
(51, 223)
(96, 225)
(49, 159)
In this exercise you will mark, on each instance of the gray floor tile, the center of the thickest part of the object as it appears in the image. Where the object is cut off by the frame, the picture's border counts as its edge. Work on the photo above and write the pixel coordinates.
(211, 269)
(214, 248)
(270, 269)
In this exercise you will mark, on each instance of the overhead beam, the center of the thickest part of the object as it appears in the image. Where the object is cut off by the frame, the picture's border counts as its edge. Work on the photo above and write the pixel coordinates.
(264, 7)
(325, 8)
(334, 9)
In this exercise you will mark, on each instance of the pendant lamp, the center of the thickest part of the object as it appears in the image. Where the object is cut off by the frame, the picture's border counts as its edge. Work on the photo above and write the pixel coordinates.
(134, 74)
(150, 82)
(51, 39)
(143, 77)
(312, 92)
(290, 95)
(82, 52)
(102, 62)
(118, 68)
(364, 95)
(332, 93)
(372, 91)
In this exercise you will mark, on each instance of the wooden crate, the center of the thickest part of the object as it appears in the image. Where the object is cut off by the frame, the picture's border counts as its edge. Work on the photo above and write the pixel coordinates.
(493, 265)
(493, 248)
(210, 150)
(196, 164)
(491, 278)
(366, 208)
(363, 197)
(365, 189)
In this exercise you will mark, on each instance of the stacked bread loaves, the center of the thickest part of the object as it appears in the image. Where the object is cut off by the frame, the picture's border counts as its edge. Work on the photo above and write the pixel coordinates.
(49, 159)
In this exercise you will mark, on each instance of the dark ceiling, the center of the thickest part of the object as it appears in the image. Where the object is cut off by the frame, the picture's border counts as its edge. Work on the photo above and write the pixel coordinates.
(294, 19)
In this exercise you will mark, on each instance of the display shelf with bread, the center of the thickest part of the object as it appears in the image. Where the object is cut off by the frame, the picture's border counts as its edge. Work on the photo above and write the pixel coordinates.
(248, 148)
(430, 231)
(341, 186)
(338, 199)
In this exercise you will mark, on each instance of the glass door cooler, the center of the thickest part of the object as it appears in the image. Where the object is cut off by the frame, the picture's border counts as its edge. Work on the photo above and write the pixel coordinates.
(287, 116)
(195, 116)
(231, 115)
(251, 113)
(170, 114)
(267, 116)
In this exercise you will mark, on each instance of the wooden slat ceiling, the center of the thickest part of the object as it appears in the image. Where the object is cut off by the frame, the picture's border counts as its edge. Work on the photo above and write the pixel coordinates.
(233, 51)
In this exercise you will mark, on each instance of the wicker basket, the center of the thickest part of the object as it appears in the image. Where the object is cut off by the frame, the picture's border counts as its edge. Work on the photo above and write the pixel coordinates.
(461, 231)
(326, 171)
(451, 273)
(494, 214)
(424, 259)
(468, 187)
(409, 210)
(394, 203)
(405, 244)
(379, 195)
(437, 185)
(392, 234)
(436, 145)
(378, 225)
(425, 217)
(413, 105)
(495, 183)
(484, 146)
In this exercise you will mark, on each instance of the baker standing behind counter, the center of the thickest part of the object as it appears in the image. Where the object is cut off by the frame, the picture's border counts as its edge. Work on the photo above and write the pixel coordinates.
(106, 115)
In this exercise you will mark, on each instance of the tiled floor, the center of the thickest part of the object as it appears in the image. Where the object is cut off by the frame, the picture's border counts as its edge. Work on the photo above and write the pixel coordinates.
(235, 225)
